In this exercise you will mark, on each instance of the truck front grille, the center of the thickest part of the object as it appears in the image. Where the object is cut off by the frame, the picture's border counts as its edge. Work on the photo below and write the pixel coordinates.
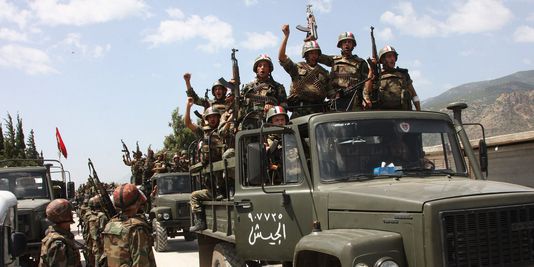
(502, 236)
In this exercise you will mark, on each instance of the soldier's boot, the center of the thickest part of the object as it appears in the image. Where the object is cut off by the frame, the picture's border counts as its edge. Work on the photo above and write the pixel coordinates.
(200, 222)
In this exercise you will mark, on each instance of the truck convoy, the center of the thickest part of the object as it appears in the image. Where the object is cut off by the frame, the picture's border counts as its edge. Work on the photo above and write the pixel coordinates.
(358, 189)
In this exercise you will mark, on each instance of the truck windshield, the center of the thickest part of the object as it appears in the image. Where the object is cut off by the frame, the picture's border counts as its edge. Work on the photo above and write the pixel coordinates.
(25, 184)
(174, 184)
(362, 149)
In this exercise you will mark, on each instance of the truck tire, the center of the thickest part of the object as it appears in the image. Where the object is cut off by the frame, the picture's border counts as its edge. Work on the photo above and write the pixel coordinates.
(160, 240)
(188, 236)
(224, 255)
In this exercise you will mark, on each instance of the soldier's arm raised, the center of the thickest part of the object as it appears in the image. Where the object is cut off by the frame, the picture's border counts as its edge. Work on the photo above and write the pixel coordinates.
(191, 92)
(282, 57)
(187, 116)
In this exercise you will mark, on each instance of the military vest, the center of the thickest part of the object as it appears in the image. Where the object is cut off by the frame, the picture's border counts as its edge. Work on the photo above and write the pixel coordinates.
(392, 85)
(347, 72)
(117, 239)
(311, 84)
(215, 150)
(72, 256)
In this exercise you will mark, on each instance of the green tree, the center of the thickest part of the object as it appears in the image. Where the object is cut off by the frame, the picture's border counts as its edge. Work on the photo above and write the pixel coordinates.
(20, 145)
(181, 136)
(31, 149)
(9, 140)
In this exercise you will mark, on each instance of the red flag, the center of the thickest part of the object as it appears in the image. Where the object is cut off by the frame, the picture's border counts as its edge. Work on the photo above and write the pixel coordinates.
(60, 144)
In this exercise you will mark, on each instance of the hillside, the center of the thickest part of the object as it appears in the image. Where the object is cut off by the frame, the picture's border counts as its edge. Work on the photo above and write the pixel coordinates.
(504, 105)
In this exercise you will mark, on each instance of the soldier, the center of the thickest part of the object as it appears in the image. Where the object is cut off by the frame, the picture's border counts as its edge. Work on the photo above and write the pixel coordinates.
(136, 166)
(96, 222)
(277, 116)
(180, 162)
(394, 85)
(160, 165)
(310, 83)
(218, 90)
(58, 247)
(127, 236)
(346, 71)
(263, 92)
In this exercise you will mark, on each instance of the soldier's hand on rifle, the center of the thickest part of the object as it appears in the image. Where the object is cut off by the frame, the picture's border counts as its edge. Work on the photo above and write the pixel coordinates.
(285, 29)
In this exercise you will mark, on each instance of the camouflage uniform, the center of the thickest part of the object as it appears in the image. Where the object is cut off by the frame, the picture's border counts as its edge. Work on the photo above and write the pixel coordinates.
(269, 92)
(97, 222)
(274, 154)
(309, 86)
(58, 249)
(393, 91)
(128, 242)
(206, 103)
(346, 72)
(137, 171)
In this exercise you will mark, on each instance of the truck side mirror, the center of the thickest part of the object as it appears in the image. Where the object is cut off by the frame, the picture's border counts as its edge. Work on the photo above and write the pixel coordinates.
(483, 156)
(254, 164)
(18, 243)
(70, 190)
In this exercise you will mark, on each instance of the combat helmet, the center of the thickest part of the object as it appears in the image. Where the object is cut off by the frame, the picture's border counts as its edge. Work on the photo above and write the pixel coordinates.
(276, 110)
(210, 111)
(385, 50)
(59, 211)
(127, 195)
(217, 83)
(263, 57)
(346, 36)
(95, 202)
(310, 46)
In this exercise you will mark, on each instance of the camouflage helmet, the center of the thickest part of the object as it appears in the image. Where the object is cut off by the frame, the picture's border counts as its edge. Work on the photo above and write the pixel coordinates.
(276, 110)
(59, 211)
(95, 202)
(210, 111)
(385, 50)
(345, 36)
(310, 46)
(263, 57)
(215, 84)
(127, 195)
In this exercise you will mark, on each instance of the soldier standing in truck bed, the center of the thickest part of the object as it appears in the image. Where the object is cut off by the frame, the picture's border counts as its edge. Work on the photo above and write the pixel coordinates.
(347, 70)
(263, 92)
(136, 165)
(394, 85)
(310, 83)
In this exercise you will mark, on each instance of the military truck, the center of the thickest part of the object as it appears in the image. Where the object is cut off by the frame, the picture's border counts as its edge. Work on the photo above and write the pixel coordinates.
(12, 243)
(359, 190)
(170, 212)
(32, 185)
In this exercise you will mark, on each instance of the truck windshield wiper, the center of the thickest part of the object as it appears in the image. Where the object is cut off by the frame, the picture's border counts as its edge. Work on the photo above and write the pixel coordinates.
(430, 171)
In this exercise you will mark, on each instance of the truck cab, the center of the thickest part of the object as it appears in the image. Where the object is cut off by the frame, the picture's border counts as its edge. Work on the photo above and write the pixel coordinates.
(378, 188)
(170, 211)
(33, 190)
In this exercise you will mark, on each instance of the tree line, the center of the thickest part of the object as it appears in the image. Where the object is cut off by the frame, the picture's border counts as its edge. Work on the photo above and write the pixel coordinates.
(15, 150)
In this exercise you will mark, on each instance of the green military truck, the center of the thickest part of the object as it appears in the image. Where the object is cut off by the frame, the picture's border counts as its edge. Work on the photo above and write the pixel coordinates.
(34, 189)
(170, 212)
(359, 190)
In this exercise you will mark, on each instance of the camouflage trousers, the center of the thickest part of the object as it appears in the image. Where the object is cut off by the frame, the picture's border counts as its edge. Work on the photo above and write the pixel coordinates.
(197, 197)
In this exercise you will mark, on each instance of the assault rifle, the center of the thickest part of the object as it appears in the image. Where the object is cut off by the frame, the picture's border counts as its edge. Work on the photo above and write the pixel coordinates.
(107, 205)
(126, 157)
(237, 84)
(311, 28)
(375, 67)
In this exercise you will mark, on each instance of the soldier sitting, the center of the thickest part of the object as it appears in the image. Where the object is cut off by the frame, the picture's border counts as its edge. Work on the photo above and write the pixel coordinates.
(310, 83)
(394, 85)
(276, 116)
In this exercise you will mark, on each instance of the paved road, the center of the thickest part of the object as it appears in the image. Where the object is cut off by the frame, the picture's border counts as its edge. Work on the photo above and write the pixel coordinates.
(179, 252)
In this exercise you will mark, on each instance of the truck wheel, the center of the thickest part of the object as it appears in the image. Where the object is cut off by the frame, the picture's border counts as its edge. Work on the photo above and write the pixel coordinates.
(160, 240)
(188, 236)
(224, 255)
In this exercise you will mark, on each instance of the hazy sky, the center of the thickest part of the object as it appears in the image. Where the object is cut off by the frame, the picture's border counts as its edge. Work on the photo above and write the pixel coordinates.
(104, 70)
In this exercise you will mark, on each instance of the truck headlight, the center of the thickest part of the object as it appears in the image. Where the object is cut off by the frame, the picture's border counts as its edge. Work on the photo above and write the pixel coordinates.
(159, 216)
(166, 216)
(361, 264)
(386, 262)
